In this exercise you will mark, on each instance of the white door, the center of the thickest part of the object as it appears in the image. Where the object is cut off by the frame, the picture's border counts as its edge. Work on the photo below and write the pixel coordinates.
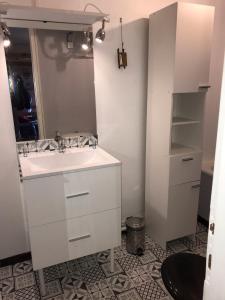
(214, 288)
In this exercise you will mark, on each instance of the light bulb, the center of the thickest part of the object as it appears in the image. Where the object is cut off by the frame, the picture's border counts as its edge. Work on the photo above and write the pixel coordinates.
(85, 47)
(6, 42)
(98, 40)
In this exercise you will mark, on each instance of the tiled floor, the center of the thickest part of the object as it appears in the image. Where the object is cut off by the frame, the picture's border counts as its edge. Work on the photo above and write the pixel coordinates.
(89, 278)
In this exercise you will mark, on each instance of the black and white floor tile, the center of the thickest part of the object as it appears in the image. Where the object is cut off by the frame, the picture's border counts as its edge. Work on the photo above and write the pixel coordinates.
(90, 278)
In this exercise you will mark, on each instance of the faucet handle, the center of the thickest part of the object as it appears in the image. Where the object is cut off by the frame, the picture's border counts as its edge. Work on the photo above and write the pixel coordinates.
(57, 136)
(25, 150)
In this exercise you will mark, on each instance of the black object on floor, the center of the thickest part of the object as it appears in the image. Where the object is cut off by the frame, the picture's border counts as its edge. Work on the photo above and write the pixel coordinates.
(183, 275)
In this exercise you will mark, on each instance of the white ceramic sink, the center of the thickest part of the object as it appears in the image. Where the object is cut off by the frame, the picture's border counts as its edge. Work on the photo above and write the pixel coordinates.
(47, 163)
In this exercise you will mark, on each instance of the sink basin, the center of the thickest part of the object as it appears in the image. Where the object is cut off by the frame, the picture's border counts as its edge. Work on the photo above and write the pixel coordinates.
(47, 163)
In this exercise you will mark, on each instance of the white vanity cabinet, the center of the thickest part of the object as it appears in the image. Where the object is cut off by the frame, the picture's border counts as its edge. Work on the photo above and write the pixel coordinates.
(73, 214)
(179, 57)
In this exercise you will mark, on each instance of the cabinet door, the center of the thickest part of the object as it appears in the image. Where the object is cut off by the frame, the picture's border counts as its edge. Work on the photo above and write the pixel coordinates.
(44, 200)
(182, 209)
(193, 46)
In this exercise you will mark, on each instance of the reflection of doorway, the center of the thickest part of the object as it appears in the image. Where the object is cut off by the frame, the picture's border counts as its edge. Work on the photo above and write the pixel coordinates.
(19, 65)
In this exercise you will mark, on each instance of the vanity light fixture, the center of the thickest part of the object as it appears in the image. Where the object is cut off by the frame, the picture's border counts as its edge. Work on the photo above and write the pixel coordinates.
(100, 35)
(87, 41)
(6, 35)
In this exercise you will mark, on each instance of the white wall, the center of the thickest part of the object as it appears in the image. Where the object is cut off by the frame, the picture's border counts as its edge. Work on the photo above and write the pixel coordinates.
(12, 234)
(121, 94)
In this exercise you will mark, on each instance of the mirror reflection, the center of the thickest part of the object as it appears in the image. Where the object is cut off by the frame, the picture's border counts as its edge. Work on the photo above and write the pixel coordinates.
(51, 80)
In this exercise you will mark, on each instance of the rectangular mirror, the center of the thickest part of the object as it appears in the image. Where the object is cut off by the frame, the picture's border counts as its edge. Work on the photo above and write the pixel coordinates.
(51, 79)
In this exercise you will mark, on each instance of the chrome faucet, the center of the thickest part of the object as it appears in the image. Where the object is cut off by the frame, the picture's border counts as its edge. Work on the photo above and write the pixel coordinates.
(60, 141)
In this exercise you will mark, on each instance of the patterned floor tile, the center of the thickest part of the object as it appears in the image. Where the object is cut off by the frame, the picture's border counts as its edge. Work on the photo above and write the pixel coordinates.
(154, 269)
(203, 237)
(87, 262)
(73, 266)
(119, 252)
(7, 285)
(200, 228)
(9, 297)
(106, 293)
(22, 268)
(200, 251)
(147, 257)
(128, 295)
(150, 291)
(29, 293)
(120, 283)
(139, 276)
(53, 289)
(24, 281)
(103, 257)
(71, 280)
(97, 286)
(149, 240)
(129, 262)
(160, 253)
(177, 246)
(5, 272)
(101, 290)
(72, 294)
(60, 297)
(93, 274)
(55, 272)
(107, 269)
(161, 284)
(192, 242)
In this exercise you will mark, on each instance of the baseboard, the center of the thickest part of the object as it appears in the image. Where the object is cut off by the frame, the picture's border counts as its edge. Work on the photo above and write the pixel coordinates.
(203, 221)
(15, 259)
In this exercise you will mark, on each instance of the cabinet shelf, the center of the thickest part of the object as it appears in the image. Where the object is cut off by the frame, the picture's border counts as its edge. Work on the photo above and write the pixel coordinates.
(181, 149)
(177, 121)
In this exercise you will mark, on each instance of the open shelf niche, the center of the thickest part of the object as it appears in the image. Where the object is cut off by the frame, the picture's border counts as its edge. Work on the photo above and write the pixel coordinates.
(186, 125)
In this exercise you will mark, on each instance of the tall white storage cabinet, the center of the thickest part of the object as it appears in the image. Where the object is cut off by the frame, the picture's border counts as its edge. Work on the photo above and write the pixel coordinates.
(178, 78)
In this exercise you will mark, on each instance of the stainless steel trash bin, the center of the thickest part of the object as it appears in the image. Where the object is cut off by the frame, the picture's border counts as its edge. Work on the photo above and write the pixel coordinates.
(135, 241)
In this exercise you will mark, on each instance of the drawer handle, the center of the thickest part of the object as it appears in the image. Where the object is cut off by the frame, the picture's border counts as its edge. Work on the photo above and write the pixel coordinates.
(196, 186)
(81, 237)
(187, 159)
(77, 195)
(204, 86)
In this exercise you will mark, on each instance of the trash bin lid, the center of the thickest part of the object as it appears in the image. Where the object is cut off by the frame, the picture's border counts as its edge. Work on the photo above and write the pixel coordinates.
(135, 223)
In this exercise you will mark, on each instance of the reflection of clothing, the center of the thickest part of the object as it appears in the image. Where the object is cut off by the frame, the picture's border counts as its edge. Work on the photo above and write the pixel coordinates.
(22, 98)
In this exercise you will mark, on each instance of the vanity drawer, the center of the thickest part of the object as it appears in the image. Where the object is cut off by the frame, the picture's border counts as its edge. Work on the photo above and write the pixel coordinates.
(92, 191)
(185, 168)
(49, 244)
(94, 233)
(182, 209)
